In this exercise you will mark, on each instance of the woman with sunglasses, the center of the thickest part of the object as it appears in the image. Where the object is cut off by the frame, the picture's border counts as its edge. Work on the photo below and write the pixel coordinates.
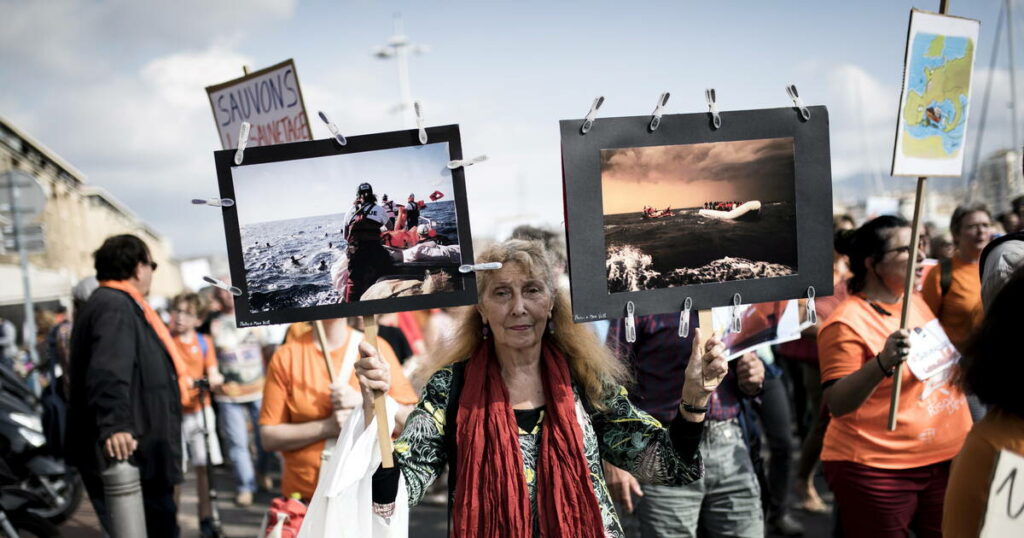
(885, 482)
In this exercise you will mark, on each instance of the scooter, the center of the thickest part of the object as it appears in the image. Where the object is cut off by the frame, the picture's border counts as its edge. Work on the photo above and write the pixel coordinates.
(17, 519)
(22, 446)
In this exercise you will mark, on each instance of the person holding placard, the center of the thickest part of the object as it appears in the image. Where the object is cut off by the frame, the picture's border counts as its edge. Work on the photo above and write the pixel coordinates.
(886, 483)
(302, 411)
(991, 369)
(524, 409)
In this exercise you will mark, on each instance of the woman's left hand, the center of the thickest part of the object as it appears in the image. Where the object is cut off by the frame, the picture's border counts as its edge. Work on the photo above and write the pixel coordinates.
(705, 370)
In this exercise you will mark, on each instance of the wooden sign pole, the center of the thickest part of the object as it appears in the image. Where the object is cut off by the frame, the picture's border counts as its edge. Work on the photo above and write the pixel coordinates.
(908, 290)
(707, 329)
(380, 410)
(908, 286)
(321, 336)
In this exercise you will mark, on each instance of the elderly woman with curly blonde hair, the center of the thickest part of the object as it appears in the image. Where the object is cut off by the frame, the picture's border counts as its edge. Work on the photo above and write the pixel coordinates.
(525, 406)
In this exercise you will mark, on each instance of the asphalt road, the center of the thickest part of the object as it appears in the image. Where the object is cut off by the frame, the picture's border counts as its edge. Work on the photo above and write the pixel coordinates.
(428, 520)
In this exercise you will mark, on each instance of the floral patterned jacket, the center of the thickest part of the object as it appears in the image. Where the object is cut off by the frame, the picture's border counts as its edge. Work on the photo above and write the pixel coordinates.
(624, 435)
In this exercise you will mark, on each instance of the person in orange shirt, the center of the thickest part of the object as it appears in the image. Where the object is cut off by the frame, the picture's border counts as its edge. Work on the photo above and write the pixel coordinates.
(187, 313)
(885, 483)
(991, 369)
(958, 303)
(303, 413)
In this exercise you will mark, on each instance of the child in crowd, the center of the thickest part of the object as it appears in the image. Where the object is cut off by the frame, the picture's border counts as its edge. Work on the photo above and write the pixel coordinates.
(187, 313)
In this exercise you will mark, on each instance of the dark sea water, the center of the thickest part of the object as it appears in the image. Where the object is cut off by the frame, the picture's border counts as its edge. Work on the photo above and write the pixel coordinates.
(691, 249)
(275, 283)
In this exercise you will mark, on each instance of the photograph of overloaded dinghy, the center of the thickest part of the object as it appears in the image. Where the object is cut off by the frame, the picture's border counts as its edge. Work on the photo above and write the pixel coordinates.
(348, 228)
(680, 215)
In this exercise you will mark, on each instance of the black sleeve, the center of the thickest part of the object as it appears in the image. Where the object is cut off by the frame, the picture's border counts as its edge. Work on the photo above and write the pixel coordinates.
(385, 484)
(685, 437)
(111, 366)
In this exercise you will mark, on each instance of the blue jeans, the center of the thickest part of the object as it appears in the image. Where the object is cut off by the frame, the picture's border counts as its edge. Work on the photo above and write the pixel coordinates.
(232, 417)
(726, 502)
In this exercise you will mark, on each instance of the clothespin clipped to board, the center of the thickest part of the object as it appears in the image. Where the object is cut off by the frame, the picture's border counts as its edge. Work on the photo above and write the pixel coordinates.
(243, 139)
(456, 163)
(684, 318)
(630, 322)
(658, 111)
(342, 141)
(716, 118)
(489, 266)
(805, 114)
(418, 107)
(223, 285)
(214, 202)
(812, 313)
(588, 122)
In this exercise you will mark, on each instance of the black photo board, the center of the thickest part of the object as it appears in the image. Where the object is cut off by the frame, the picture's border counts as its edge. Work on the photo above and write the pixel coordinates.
(689, 211)
(310, 235)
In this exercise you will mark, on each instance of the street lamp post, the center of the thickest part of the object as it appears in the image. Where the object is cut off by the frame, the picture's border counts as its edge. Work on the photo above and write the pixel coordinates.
(399, 47)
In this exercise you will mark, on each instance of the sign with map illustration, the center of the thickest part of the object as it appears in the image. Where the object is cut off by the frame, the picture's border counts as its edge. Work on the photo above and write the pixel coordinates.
(689, 211)
(931, 130)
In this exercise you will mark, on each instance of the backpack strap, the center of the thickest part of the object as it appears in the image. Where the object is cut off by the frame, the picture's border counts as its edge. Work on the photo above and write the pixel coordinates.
(946, 275)
(204, 345)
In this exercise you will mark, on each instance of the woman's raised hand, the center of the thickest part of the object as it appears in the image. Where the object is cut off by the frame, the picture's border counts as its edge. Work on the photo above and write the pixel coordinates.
(373, 373)
(705, 370)
(897, 349)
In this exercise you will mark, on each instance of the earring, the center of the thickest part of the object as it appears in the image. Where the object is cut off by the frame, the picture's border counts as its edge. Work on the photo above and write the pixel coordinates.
(551, 327)
(486, 331)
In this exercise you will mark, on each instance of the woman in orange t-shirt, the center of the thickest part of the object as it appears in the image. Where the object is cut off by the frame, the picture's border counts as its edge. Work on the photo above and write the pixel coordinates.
(959, 307)
(302, 412)
(885, 483)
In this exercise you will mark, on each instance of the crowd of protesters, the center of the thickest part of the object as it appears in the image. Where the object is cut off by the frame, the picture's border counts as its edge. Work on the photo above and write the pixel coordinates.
(127, 375)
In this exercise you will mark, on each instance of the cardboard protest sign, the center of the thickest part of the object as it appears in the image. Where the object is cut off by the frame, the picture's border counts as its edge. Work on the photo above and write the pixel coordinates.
(1004, 515)
(931, 125)
(269, 99)
(319, 230)
(688, 211)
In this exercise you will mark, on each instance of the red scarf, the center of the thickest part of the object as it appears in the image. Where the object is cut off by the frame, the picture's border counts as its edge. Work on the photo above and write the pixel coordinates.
(491, 496)
(180, 365)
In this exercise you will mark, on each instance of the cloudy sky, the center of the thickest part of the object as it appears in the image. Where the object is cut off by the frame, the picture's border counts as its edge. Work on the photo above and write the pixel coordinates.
(116, 87)
(688, 175)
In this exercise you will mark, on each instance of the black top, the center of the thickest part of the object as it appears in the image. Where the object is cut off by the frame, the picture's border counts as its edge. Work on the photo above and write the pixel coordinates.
(122, 379)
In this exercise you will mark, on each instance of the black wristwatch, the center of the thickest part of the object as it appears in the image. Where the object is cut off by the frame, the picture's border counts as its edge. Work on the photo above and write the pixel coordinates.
(888, 373)
(693, 408)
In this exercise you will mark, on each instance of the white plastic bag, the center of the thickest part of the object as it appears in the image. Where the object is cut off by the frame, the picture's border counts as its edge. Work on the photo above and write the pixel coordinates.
(342, 504)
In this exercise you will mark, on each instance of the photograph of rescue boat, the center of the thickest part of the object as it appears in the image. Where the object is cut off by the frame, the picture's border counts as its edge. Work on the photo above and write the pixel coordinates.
(725, 211)
(318, 227)
(696, 212)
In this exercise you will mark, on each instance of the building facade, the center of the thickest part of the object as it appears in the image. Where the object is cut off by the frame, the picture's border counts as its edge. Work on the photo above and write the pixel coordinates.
(76, 219)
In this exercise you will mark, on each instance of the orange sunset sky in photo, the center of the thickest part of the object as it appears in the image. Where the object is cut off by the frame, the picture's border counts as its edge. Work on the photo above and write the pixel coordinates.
(683, 176)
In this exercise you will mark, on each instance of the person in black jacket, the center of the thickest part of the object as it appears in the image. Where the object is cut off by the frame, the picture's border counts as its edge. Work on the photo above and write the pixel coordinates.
(125, 399)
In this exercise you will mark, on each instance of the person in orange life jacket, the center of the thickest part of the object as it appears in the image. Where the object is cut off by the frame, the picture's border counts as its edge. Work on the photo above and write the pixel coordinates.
(187, 312)
(127, 386)
(412, 212)
(368, 259)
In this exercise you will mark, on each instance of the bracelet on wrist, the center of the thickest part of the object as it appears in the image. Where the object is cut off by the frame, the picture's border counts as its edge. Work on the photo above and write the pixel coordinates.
(886, 373)
(693, 408)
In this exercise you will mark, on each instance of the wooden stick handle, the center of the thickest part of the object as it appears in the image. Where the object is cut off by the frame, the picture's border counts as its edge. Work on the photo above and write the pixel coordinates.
(908, 292)
(380, 409)
(321, 336)
(707, 329)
